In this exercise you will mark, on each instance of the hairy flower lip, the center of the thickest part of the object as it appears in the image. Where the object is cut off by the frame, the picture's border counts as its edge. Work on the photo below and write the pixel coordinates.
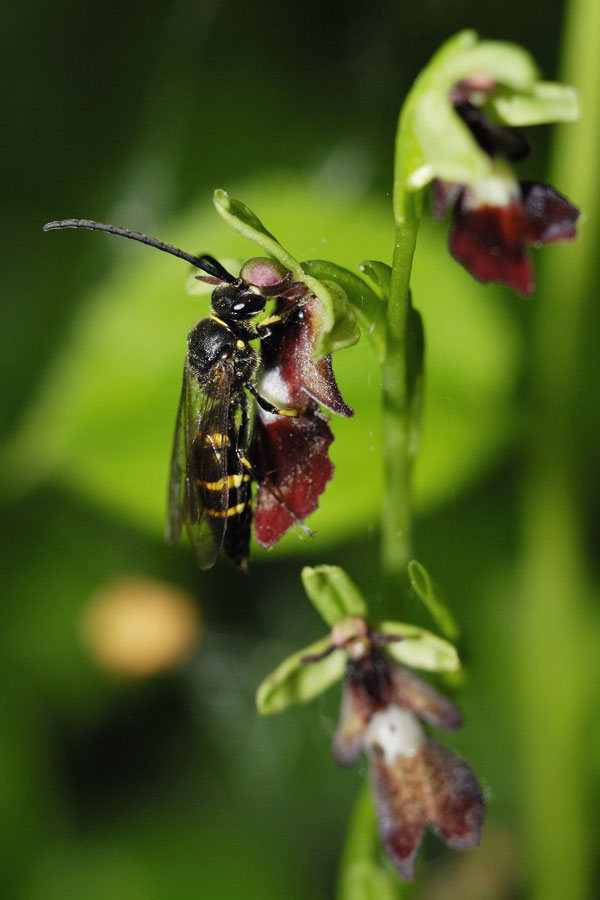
(292, 452)
(496, 218)
(417, 783)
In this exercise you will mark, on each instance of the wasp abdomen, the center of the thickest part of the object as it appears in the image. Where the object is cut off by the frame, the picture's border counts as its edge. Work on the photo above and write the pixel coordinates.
(225, 492)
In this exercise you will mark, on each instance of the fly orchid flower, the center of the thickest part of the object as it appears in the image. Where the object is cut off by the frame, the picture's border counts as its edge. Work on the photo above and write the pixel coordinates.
(496, 218)
(459, 131)
(417, 782)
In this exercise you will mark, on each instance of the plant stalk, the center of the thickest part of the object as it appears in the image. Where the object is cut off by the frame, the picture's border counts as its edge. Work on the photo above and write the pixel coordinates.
(398, 448)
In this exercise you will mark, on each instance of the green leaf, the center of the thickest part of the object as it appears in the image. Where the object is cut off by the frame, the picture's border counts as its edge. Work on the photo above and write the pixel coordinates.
(368, 308)
(420, 649)
(426, 591)
(241, 217)
(547, 101)
(294, 682)
(332, 593)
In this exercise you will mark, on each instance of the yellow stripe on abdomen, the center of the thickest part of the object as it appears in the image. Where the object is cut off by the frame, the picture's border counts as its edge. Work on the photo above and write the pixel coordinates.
(216, 439)
(232, 481)
(226, 513)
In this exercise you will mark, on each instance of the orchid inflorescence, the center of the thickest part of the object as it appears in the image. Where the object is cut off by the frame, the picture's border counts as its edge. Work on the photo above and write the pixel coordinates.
(459, 136)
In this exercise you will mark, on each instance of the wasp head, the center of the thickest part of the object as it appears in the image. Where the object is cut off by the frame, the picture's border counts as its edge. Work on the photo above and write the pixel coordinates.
(237, 301)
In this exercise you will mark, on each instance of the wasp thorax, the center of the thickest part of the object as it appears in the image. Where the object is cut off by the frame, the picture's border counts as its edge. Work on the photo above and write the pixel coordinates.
(211, 343)
(231, 301)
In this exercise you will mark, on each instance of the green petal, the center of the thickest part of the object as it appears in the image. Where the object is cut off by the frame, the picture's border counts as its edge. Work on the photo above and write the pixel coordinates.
(427, 592)
(545, 102)
(345, 331)
(361, 302)
(332, 593)
(420, 649)
(295, 682)
(380, 274)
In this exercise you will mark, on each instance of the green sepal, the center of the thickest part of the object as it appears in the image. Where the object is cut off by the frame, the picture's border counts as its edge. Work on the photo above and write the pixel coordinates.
(380, 274)
(429, 594)
(464, 55)
(420, 649)
(363, 304)
(442, 145)
(333, 594)
(546, 102)
(241, 217)
(294, 682)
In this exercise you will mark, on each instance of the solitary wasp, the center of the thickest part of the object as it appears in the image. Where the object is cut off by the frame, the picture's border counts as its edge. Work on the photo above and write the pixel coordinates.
(210, 488)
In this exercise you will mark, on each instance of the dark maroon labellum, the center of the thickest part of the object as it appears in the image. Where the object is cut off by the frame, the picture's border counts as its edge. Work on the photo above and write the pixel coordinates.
(292, 453)
(416, 781)
(491, 241)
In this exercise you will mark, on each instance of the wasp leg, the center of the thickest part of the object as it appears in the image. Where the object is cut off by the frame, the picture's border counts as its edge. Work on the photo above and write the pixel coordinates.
(243, 439)
(259, 478)
(263, 329)
(243, 442)
(271, 408)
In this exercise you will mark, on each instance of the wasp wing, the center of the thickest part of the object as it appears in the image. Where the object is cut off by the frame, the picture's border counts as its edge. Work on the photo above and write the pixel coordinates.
(200, 459)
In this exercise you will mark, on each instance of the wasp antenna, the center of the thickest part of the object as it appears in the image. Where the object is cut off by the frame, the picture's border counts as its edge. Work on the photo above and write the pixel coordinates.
(206, 263)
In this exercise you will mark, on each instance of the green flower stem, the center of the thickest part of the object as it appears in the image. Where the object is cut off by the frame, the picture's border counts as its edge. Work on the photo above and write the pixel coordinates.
(397, 411)
(397, 512)
(555, 592)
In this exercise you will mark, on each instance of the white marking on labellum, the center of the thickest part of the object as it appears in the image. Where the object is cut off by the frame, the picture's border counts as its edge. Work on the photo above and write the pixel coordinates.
(395, 732)
(499, 188)
(273, 388)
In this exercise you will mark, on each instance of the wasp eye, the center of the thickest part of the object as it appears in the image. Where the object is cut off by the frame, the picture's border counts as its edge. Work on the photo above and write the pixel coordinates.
(225, 352)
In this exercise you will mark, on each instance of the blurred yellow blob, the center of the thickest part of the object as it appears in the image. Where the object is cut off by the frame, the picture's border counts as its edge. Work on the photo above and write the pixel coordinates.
(136, 627)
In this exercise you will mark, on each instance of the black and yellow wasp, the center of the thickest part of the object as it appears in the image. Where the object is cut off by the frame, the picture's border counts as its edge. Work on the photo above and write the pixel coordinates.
(210, 488)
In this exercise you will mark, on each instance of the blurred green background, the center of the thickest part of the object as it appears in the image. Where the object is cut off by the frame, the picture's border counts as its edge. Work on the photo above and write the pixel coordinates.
(167, 786)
